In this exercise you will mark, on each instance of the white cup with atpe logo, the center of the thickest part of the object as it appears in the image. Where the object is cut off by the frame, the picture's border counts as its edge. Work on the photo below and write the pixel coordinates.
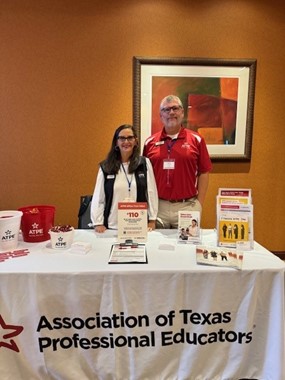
(10, 222)
(61, 239)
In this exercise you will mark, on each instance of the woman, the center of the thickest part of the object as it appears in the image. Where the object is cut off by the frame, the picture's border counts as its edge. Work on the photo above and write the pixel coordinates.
(124, 176)
(193, 228)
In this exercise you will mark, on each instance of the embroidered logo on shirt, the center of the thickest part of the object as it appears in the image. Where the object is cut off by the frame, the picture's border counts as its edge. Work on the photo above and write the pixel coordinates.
(186, 145)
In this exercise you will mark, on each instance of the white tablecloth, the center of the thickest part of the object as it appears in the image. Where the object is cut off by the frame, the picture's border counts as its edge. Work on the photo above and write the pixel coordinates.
(69, 316)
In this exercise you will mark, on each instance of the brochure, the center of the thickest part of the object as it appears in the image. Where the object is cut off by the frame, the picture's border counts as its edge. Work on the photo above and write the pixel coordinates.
(242, 196)
(230, 200)
(189, 227)
(235, 193)
(132, 221)
(234, 216)
(128, 253)
(217, 256)
(234, 223)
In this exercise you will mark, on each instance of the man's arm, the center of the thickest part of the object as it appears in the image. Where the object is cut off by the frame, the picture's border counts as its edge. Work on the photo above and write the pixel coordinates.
(203, 181)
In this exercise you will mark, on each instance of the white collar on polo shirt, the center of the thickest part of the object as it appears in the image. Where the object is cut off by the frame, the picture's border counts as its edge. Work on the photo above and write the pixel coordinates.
(173, 136)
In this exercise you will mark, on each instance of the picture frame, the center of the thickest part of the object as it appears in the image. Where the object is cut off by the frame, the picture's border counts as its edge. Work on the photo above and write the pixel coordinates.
(217, 95)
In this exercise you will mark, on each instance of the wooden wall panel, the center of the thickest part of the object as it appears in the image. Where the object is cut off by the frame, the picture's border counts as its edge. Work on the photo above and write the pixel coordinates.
(66, 84)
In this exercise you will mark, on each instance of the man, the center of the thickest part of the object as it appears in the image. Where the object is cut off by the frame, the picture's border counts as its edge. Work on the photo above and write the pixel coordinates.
(181, 164)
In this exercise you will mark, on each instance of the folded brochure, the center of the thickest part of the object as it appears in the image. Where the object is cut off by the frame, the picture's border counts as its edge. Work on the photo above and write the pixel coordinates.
(217, 256)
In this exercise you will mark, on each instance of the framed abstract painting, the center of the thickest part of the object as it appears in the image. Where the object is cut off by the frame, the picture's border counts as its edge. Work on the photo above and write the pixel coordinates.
(217, 96)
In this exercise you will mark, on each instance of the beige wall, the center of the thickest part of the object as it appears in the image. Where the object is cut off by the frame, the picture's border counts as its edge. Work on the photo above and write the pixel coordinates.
(66, 84)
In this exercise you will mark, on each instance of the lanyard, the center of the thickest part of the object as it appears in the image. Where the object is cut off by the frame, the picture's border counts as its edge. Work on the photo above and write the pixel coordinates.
(170, 145)
(129, 181)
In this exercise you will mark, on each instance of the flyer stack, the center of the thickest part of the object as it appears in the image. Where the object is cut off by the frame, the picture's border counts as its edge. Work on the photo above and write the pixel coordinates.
(235, 218)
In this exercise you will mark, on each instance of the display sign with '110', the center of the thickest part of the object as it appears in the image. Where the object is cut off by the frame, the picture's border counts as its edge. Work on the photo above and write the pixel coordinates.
(132, 221)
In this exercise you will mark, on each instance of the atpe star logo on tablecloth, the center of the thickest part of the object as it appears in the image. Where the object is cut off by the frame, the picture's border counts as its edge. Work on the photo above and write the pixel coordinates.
(6, 333)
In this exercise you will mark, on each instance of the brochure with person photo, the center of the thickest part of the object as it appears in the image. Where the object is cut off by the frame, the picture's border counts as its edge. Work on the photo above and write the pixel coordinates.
(234, 216)
(234, 223)
(189, 230)
(217, 256)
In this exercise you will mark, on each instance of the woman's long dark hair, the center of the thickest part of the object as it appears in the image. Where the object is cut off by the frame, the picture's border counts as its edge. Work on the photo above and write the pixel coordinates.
(113, 161)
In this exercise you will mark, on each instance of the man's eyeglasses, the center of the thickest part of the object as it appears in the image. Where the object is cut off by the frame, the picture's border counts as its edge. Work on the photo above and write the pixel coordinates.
(173, 108)
(128, 138)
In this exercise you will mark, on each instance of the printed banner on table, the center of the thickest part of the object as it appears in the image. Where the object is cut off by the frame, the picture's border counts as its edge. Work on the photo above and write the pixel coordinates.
(132, 221)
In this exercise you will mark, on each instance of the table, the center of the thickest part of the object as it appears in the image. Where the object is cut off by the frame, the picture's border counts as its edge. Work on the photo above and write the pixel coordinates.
(74, 317)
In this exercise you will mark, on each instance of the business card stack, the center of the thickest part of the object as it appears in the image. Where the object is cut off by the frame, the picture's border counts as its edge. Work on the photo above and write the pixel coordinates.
(80, 247)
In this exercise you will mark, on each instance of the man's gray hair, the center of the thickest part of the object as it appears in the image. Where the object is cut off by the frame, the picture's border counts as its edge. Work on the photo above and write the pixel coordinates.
(170, 98)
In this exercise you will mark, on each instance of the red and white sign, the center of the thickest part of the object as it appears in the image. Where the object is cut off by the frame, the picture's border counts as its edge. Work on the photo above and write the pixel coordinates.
(132, 221)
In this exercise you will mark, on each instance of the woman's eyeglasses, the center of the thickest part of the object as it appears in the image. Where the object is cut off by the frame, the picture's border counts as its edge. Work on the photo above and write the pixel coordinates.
(128, 138)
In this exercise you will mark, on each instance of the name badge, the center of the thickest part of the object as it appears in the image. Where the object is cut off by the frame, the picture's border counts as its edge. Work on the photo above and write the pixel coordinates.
(159, 143)
(169, 164)
(110, 176)
(129, 199)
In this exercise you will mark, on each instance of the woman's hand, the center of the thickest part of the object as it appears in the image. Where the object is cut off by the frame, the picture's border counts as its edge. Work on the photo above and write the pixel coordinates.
(151, 225)
(100, 229)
